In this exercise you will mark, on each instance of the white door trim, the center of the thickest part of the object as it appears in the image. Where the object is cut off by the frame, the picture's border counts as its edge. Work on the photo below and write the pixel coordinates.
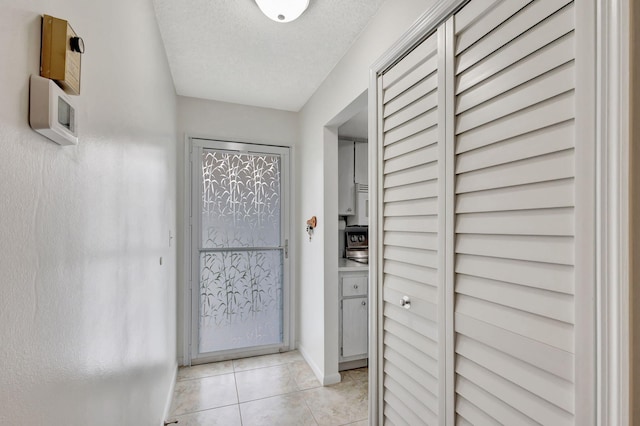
(612, 49)
(612, 202)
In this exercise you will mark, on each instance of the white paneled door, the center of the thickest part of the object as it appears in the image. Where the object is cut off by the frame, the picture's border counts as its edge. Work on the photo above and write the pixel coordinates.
(487, 228)
(239, 249)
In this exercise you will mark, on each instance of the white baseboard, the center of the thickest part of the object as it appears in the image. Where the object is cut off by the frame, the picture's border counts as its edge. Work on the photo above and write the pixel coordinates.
(322, 378)
(167, 405)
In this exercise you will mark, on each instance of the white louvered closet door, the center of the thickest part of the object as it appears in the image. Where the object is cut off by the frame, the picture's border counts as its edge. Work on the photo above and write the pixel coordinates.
(487, 223)
(518, 203)
(410, 103)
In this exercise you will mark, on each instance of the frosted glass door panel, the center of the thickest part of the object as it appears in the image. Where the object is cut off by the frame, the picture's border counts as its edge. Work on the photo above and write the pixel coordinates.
(240, 200)
(240, 299)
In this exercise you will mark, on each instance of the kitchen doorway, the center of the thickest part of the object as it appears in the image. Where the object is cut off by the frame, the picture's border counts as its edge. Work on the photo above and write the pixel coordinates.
(347, 135)
(240, 295)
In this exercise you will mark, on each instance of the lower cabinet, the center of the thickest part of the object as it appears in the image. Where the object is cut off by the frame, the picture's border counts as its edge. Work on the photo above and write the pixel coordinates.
(354, 315)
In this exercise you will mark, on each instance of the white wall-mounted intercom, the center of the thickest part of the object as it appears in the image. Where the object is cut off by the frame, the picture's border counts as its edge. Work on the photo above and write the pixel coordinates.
(52, 112)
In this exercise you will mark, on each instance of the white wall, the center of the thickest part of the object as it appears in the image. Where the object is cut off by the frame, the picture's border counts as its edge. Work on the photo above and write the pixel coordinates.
(318, 161)
(228, 122)
(87, 313)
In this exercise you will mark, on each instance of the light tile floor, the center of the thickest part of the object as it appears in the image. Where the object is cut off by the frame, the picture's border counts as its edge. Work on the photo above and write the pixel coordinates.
(267, 390)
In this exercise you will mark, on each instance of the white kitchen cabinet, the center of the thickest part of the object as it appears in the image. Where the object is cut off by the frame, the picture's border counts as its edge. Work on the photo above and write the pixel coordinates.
(354, 308)
(354, 328)
(362, 163)
(346, 184)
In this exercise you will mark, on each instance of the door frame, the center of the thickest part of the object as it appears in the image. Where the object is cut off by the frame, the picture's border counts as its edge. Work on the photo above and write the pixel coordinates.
(612, 316)
(289, 295)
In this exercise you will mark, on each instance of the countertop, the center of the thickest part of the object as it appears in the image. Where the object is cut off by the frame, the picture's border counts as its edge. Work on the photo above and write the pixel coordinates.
(345, 265)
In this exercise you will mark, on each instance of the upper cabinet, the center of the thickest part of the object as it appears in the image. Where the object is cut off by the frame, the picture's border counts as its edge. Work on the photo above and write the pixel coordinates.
(362, 163)
(346, 183)
(353, 171)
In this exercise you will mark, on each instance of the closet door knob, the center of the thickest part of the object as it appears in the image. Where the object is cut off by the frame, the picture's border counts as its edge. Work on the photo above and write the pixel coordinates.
(364, 303)
(355, 286)
(405, 302)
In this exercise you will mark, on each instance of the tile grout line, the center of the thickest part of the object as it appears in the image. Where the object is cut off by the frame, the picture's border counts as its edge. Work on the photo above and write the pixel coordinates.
(235, 382)
(313, 416)
(203, 409)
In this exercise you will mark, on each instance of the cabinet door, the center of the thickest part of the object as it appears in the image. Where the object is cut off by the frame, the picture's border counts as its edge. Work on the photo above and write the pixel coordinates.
(354, 327)
(355, 285)
(346, 185)
(362, 162)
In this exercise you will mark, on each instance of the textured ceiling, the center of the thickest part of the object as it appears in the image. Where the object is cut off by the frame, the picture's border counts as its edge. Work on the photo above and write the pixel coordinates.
(227, 50)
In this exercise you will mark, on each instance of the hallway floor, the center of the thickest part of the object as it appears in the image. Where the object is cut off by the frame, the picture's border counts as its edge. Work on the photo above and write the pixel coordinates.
(267, 390)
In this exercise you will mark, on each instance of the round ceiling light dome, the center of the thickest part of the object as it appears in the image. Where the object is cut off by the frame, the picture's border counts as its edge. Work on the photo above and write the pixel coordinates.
(283, 10)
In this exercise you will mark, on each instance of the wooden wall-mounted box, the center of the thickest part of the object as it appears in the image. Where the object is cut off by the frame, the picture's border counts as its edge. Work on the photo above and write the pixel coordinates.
(60, 54)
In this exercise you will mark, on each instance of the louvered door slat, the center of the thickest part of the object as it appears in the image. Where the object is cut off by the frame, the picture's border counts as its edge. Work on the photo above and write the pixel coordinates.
(529, 16)
(401, 316)
(557, 53)
(542, 249)
(471, 396)
(412, 240)
(426, 86)
(555, 222)
(424, 206)
(414, 191)
(523, 401)
(545, 357)
(549, 194)
(413, 256)
(473, 12)
(412, 338)
(411, 223)
(555, 166)
(417, 141)
(538, 37)
(554, 305)
(399, 369)
(500, 12)
(427, 293)
(418, 273)
(412, 110)
(548, 276)
(422, 56)
(413, 158)
(539, 116)
(412, 175)
(547, 386)
(548, 140)
(546, 86)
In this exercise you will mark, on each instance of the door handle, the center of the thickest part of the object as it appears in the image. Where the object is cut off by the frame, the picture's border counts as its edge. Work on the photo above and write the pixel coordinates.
(405, 302)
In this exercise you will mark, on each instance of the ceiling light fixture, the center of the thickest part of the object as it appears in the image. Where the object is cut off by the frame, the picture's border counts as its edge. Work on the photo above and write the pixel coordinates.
(283, 10)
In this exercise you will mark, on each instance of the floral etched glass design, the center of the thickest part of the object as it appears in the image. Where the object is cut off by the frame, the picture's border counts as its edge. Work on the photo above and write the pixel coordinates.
(241, 261)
